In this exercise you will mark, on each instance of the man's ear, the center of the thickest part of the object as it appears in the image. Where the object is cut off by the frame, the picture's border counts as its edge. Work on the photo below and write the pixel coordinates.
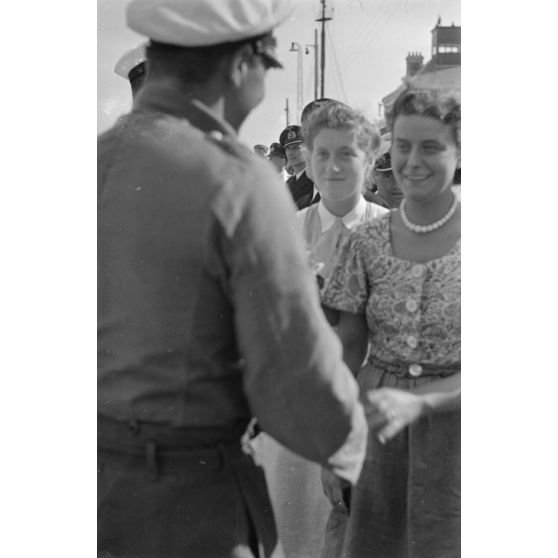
(239, 64)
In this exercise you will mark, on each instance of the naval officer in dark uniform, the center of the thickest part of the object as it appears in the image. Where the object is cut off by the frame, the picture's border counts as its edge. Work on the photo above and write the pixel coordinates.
(300, 185)
(207, 317)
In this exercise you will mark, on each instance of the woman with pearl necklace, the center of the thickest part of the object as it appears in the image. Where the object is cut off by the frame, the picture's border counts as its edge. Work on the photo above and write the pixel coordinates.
(396, 286)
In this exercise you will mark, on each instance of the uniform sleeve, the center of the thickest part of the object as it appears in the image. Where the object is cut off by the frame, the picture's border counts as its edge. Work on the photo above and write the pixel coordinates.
(296, 383)
(348, 288)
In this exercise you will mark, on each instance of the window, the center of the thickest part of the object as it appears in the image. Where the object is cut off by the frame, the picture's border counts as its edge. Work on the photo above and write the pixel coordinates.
(443, 49)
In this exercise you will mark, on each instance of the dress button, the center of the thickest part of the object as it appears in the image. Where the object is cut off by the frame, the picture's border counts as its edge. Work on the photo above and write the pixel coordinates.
(415, 370)
(412, 341)
(411, 305)
(417, 270)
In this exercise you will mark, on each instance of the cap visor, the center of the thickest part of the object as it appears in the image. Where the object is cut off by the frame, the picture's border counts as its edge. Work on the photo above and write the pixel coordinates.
(272, 62)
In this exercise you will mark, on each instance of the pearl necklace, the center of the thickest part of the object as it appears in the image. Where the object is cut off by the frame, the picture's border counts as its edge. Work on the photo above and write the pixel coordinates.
(422, 229)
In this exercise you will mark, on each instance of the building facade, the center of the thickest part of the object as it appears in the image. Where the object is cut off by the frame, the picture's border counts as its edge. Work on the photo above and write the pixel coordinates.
(442, 71)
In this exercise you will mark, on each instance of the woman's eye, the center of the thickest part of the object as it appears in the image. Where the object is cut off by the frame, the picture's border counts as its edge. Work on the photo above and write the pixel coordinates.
(431, 148)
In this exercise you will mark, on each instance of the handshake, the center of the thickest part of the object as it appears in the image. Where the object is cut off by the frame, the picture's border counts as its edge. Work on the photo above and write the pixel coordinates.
(389, 410)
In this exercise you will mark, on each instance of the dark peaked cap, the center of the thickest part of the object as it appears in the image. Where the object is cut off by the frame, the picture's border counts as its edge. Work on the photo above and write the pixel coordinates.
(291, 134)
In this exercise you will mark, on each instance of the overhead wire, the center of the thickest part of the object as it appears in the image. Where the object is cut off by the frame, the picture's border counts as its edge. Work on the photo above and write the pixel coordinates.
(375, 30)
(367, 34)
(337, 68)
(360, 41)
(333, 39)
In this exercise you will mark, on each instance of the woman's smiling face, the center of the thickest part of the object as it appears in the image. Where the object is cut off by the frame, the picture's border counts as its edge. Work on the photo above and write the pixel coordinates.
(338, 164)
(424, 156)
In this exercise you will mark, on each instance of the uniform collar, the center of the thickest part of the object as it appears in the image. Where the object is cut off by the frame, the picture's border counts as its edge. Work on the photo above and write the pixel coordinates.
(350, 220)
(166, 99)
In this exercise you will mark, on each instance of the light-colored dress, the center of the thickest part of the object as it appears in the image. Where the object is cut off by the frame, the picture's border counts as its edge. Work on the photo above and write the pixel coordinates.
(407, 501)
(300, 506)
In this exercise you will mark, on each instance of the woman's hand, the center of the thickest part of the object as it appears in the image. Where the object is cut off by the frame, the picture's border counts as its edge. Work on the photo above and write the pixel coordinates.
(390, 410)
(333, 489)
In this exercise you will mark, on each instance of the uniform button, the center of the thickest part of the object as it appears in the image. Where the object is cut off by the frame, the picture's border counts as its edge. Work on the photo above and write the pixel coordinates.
(412, 341)
(411, 305)
(417, 270)
(415, 370)
(216, 134)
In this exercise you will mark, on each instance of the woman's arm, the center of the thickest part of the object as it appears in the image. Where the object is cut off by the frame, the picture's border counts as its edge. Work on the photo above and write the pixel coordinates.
(441, 395)
(352, 330)
(390, 410)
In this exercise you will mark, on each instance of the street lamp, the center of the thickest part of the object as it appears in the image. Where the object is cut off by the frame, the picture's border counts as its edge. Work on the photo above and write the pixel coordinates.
(295, 47)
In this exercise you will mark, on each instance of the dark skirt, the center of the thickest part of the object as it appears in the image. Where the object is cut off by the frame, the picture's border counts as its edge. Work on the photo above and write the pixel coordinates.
(407, 501)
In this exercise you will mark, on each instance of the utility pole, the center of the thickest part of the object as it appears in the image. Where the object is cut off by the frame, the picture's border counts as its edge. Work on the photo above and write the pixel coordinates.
(295, 47)
(323, 19)
(315, 47)
(286, 109)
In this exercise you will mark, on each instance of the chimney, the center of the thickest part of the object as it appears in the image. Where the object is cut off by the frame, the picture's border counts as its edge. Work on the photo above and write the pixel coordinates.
(414, 63)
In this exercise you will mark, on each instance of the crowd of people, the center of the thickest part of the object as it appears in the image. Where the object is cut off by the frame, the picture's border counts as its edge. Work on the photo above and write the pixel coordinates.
(279, 327)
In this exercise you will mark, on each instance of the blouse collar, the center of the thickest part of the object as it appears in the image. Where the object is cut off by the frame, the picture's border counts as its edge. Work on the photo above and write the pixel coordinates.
(350, 220)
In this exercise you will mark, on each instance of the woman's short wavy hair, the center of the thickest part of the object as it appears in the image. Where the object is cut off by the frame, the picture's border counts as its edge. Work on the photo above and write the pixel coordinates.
(336, 115)
(443, 105)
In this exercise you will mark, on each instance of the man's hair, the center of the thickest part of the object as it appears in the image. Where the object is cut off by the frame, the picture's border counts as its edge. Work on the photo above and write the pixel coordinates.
(444, 106)
(189, 64)
(336, 115)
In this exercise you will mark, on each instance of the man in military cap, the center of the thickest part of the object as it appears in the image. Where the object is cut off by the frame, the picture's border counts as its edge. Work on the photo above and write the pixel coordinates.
(380, 186)
(301, 187)
(131, 66)
(278, 159)
(387, 192)
(207, 317)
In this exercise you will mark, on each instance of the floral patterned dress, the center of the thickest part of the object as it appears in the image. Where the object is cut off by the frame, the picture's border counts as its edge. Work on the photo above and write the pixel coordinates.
(407, 501)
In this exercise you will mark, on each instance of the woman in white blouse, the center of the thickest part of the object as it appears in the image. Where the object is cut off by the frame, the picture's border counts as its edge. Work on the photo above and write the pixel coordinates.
(341, 144)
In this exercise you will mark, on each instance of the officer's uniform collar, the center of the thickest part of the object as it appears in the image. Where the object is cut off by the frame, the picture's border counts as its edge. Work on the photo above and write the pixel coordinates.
(161, 97)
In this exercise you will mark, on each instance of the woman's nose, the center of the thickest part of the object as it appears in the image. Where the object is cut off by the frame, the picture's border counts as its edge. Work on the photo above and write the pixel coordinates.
(333, 165)
(413, 159)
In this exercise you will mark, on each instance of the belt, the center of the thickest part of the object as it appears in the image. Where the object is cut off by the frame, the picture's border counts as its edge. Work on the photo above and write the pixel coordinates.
(167, 450)
(414, 370)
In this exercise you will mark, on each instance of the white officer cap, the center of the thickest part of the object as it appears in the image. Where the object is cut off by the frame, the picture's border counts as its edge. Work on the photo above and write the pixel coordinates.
(196, 23)
(130, 59)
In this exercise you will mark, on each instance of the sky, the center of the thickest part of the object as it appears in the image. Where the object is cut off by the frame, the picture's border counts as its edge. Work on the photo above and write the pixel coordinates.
(366, 45)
